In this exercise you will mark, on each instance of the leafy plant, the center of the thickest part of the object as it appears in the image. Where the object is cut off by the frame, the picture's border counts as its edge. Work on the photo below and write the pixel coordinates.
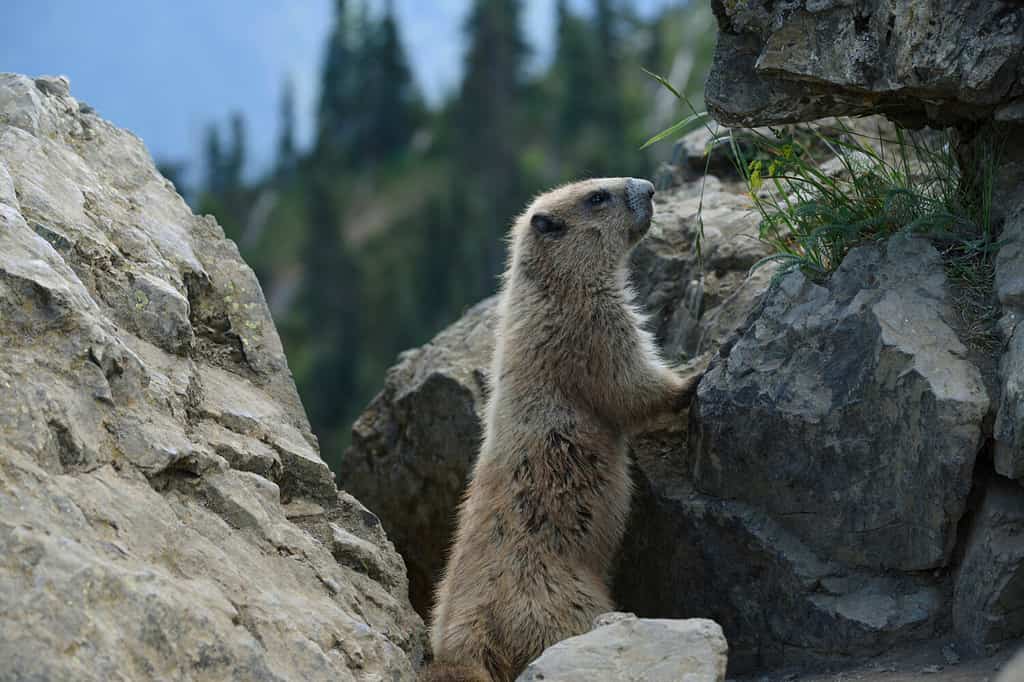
(822, 190)
(677, 130)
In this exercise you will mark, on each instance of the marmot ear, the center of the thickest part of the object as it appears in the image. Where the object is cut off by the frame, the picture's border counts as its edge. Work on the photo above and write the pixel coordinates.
(547, 224)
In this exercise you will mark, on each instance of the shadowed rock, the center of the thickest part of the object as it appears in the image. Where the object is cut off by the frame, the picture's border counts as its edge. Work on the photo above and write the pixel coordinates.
(988, 607)
(849, 411)
(941, 61)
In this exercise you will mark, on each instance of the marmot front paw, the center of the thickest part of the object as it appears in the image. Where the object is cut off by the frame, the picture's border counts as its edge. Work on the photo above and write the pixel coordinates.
(689, 378)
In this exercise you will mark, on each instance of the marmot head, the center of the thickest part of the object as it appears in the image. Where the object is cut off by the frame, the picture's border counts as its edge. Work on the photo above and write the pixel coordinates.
(586, 227)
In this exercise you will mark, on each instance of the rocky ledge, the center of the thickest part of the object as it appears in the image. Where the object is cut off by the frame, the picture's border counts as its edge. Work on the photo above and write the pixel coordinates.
(164, 512)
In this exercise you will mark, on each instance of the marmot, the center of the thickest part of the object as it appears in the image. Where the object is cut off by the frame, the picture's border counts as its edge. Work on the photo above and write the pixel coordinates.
(573, 374)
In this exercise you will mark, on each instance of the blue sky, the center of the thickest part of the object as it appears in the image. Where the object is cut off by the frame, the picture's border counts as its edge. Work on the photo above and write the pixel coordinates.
(166, 68)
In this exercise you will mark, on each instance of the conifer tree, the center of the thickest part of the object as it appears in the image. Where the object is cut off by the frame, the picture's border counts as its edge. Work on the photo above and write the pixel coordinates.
(287, 155)
(369, 104)
(488, 119)
(576, 73)
(330, 301)
(338, 95)
(392, 104)
(234, 163)
(213, 152)
(609, 105)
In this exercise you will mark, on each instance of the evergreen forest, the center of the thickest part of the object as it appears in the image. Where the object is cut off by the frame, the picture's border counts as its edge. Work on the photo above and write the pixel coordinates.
(391, 224)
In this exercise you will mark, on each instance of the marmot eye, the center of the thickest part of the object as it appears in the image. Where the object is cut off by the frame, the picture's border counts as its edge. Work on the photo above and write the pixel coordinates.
(546, 224)
(599, 197)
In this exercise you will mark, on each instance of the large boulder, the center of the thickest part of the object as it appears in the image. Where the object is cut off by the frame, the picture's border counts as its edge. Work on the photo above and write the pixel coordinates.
(942, 61)
(939, 63)
(832, 448)
(988, 606)
(164, 512)
(829, 462)
(1009, 287)
(413, 447)
(850, 411)
(780, 603)
(1009, 425)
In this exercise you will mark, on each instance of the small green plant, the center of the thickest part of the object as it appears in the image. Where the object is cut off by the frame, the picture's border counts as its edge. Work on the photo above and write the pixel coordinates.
(821, 190)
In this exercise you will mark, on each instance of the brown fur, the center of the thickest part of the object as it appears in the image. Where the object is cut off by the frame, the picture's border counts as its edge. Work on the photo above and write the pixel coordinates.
(440, 671)
(573, 374)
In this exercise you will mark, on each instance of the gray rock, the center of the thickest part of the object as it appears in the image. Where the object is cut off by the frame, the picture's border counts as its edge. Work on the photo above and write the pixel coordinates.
(159, 313)
(1011, 112)
(943, 61)
(779, 602)
(58, 86)
(7, 195)
(988, 602)
(1009, 426)
(1013, 671)
(687, 304)
(849, 411)
(629, 648)
(165, 513)
(225, 399)
(240, 451)
(414, 445)
(1009, 282)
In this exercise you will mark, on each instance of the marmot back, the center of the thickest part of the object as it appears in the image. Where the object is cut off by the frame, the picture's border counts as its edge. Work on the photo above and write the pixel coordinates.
(573, 374)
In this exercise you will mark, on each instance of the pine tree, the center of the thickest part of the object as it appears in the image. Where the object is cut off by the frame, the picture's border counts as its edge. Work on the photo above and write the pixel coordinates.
(287, 156)
(576, 73)
(488, 118)
(609, 105)
(330, 301)
(226, 195)
(234, 162)
(214, 157)
(392, 105)
(338, 94)
(369, 104)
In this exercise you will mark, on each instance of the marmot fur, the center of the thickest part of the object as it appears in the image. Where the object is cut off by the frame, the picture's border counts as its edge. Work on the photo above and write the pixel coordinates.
(573, 374)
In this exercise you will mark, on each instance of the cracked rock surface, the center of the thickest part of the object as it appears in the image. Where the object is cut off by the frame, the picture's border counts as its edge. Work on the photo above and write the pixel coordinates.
(624, 647)
(850, 411)
(941, 61)
(164, 512)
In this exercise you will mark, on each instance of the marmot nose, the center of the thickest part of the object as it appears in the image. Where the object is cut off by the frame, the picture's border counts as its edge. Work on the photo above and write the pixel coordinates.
(639, 188)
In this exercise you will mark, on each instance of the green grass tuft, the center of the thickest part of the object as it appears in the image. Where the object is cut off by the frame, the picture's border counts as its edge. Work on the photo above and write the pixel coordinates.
(824, 189)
